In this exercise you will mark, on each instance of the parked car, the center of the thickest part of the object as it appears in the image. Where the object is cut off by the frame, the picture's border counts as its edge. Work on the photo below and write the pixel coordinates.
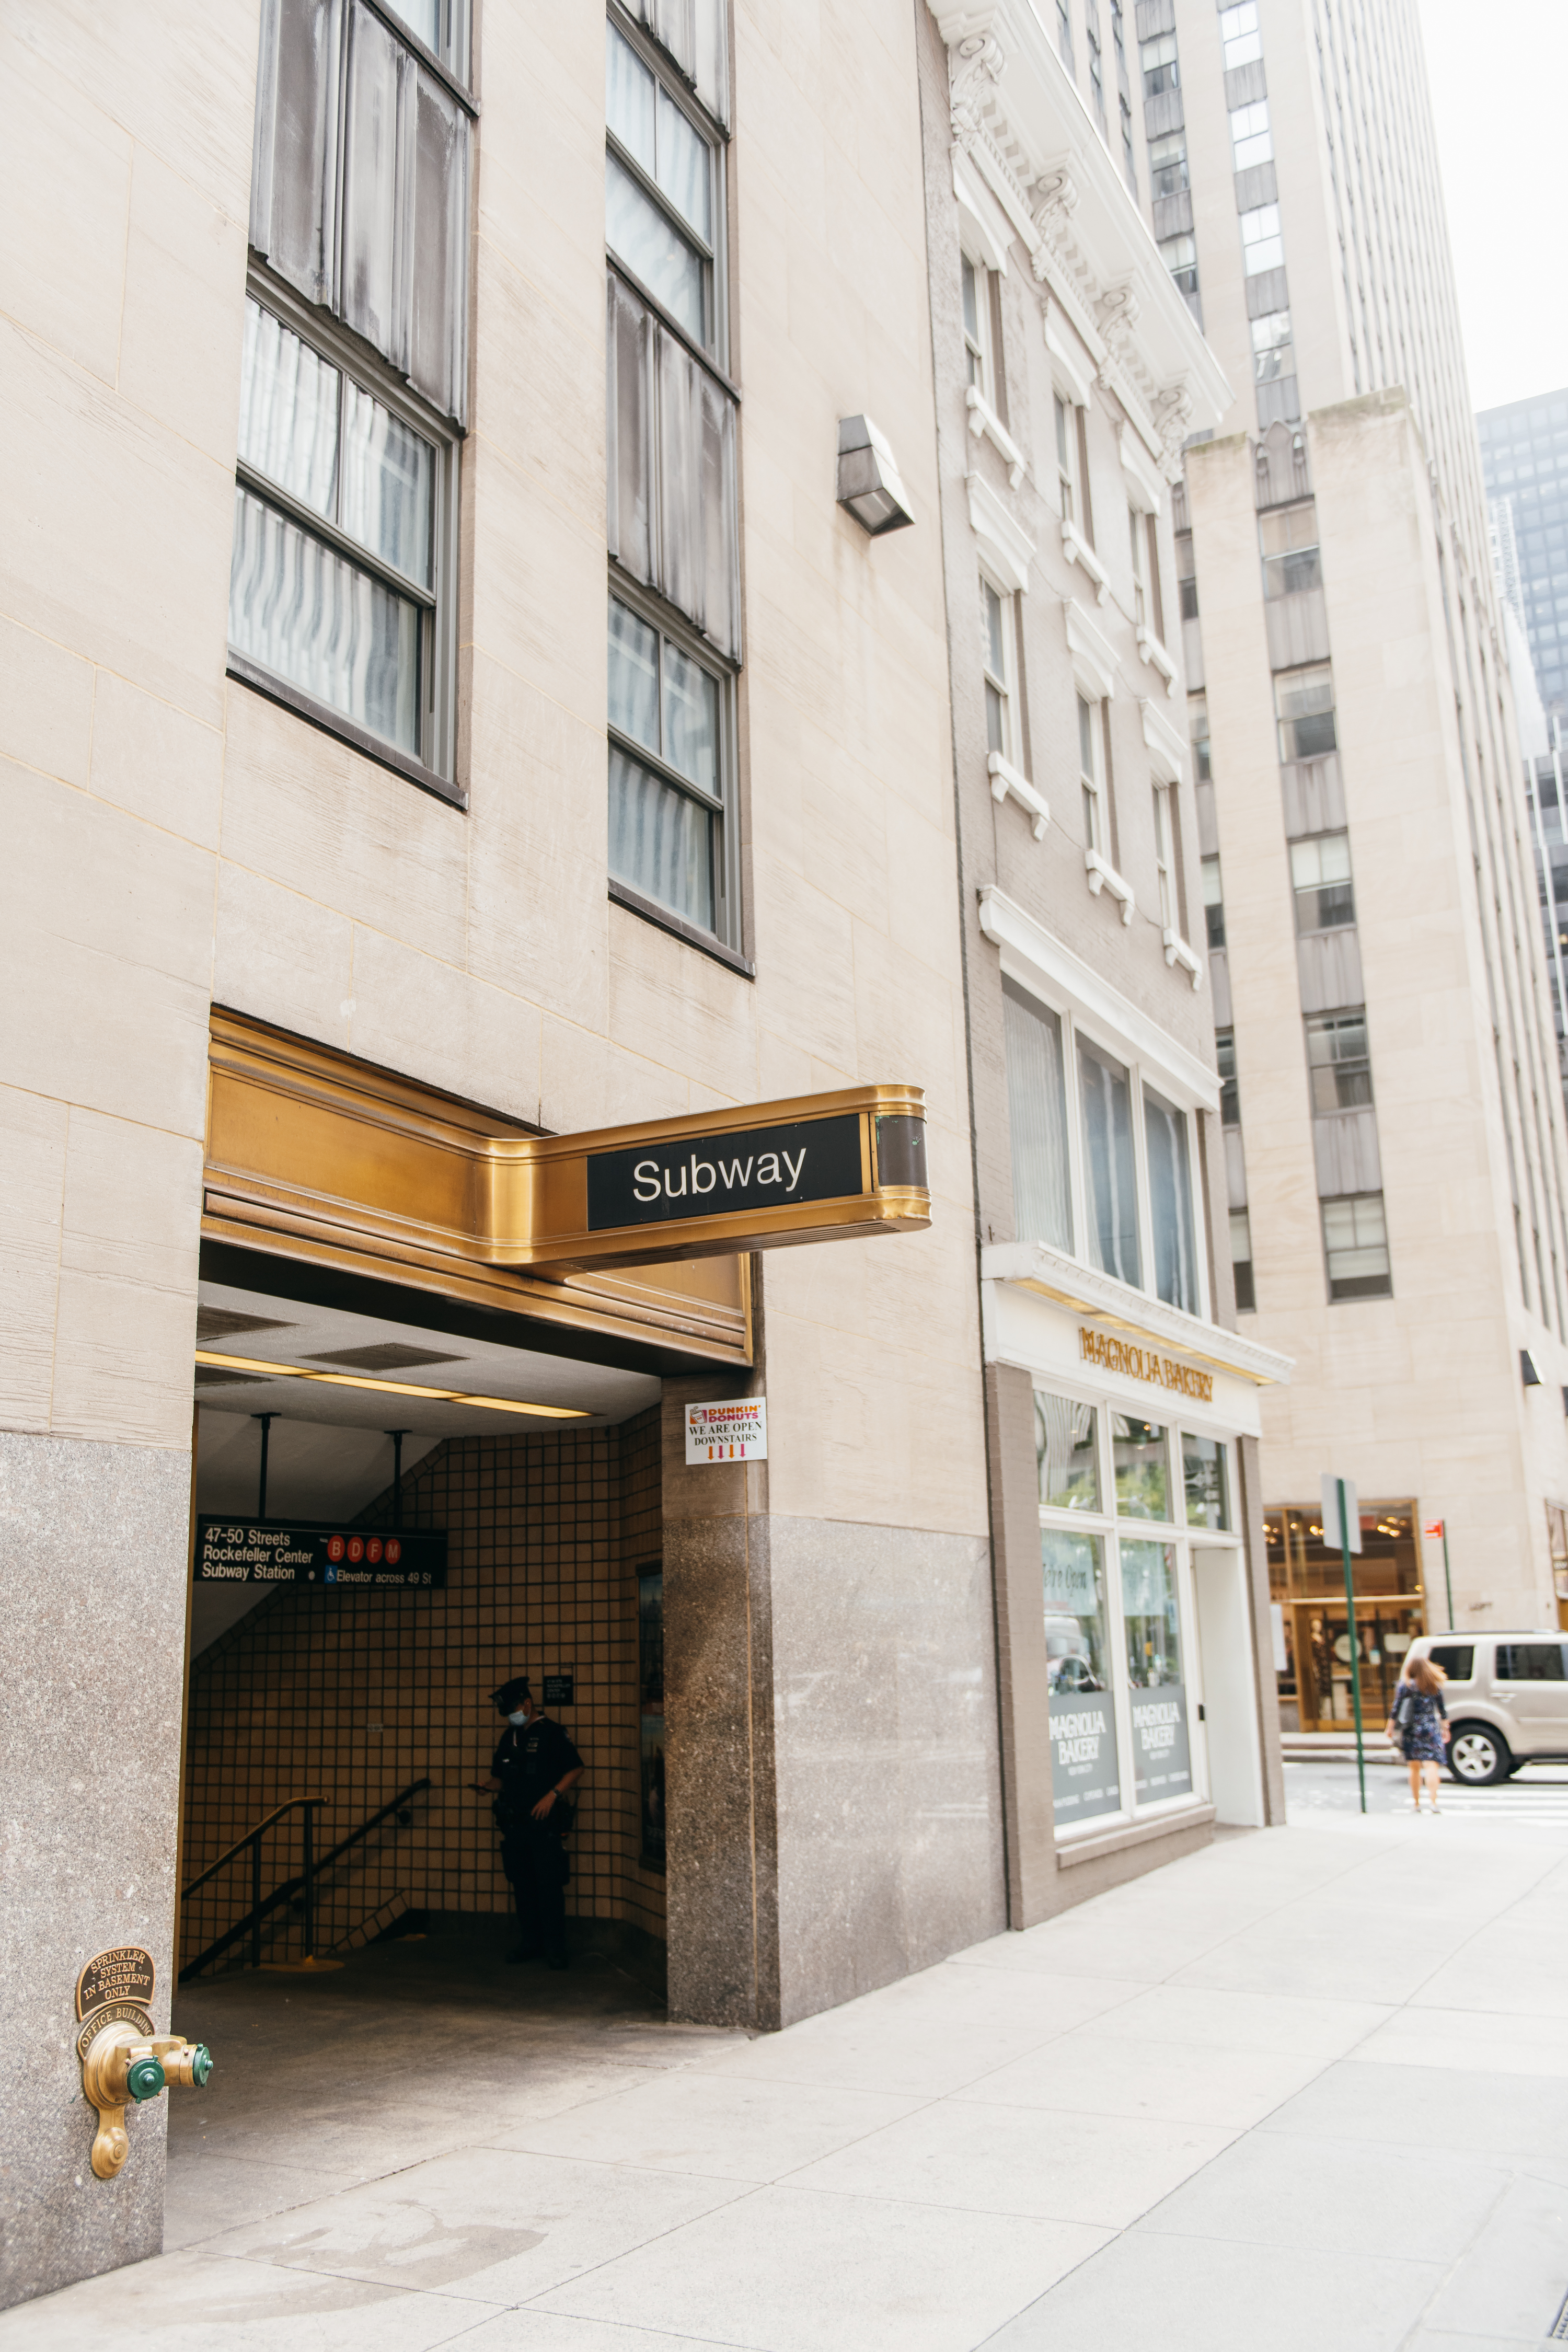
(1506, 1697)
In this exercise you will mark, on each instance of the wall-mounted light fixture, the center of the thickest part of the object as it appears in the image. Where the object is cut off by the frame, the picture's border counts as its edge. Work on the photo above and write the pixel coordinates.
(1527, 1371)
(869, 481)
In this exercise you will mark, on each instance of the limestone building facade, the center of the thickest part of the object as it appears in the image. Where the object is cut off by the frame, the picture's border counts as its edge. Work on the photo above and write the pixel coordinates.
(1396, 1151)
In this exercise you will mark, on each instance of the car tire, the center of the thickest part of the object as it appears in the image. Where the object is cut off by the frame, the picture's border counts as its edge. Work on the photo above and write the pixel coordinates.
(1478, 1757)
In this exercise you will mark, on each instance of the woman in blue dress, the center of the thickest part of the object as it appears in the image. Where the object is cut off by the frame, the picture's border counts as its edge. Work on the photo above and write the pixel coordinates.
(1419, 1722)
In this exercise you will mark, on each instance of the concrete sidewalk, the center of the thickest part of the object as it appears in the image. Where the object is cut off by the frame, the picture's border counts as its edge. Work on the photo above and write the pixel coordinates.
(1309, 2088)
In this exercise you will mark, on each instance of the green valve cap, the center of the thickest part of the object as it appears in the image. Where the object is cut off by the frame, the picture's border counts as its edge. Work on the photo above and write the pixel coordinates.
(201, 2065)
(144, 2078)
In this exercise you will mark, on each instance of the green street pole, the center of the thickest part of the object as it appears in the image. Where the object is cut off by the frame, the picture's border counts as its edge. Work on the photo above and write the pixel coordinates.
(1355, 1646)
(1448, 1579)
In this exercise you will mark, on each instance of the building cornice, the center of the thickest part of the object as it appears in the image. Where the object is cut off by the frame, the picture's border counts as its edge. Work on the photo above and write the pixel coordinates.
(1021, 123)
(1099, 1297)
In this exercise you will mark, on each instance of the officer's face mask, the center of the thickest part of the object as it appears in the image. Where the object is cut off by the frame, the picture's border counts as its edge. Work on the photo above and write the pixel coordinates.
(521, 1717)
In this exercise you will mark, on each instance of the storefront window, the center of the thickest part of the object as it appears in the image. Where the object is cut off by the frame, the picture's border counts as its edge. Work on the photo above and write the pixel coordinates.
(1065, 1451)
(1305, 1578)
(1109, 1174)
(1204, 1475)
(1086, 1778)
(1142, 1474)
(1150, 1616)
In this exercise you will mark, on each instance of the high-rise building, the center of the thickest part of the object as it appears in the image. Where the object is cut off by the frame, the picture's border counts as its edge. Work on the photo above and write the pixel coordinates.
(1524, 463)
(1395, 1147)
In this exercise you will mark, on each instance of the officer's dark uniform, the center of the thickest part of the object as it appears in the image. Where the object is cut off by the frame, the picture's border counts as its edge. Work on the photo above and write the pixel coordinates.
(530, 1760)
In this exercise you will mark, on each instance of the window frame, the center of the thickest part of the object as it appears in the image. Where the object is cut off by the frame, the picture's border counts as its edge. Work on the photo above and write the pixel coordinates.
(1303, 890)
(1064, 429)
(1103, 1039)
(978, 350)
(1112, 1528)
(1004, 688)
(434, 769)
(1164, 872)
(714, 251)
(1091, 779)
(1353, 1201)
(724, 942)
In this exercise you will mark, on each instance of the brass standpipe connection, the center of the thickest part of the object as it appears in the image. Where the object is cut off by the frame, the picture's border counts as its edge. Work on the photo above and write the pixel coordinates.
(121, 2067)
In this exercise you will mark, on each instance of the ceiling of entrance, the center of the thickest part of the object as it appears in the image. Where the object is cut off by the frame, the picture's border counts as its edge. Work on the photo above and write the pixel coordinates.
(328, 1453)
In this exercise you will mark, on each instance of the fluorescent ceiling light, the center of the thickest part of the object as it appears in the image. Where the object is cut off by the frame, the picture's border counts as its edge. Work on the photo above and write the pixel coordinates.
(271, 1372)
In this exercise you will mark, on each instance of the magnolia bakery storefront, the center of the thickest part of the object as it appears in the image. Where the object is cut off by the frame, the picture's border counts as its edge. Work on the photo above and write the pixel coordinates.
(1146, 1634)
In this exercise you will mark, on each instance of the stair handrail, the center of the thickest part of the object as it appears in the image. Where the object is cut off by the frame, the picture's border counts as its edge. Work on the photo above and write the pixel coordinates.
(251, 1922)
(241, 1843)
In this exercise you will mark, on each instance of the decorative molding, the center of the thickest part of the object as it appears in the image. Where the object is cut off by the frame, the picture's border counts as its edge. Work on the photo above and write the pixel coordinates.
(1103, 876)
(1010, 546)
(1078, 551)
(1039, 960)
(976, 233)
(1006, 779)
(1094, 661)
(975, 65)
(1152, 651)
(1036, 1265)
(1178, 951)
(1079, 379)
(1165, 744)
(983, 418)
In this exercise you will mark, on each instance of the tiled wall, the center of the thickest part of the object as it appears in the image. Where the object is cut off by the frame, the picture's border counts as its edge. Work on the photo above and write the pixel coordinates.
(353, 1696)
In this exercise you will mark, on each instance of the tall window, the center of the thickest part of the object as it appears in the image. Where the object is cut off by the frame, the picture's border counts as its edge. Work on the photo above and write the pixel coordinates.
(1241, 1262)
(1273, 354)
(1355, 1244)
(1168, 165)
(1064, 35)
(1037, 1119)
(1157, 61)
(1262, 245)
(997, 642)
(1187, 575)
(1163, 882)
(1337, 1062)
(1230, 1093)
(1304, 705)
(1140, 595)
(342, 584)
(1214, 902)
(1096, 72)
(1180, 256)
(1170, 1203)
(1320, 878)
(1240, 39)
(673, 527)
(1066, 455)
(1290, 557)
(1110, 1165)
(976, 288)
(1094, 827)
(1251, 140)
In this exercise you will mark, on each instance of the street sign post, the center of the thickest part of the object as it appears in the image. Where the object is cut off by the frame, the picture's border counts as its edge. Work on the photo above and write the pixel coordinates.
(1441, 1527)
(1342, 1512)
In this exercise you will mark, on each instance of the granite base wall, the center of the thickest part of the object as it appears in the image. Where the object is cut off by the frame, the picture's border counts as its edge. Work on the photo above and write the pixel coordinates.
(93, 1560)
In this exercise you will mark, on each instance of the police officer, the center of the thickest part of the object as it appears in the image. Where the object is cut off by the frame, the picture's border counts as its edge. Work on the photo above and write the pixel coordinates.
(532, 1774)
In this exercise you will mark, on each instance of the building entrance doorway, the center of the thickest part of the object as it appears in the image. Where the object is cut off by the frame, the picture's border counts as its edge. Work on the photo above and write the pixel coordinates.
(1312, 1624)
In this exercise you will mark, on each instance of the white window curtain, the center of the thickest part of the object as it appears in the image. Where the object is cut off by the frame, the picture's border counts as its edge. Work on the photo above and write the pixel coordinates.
(372, 224)
(673, 506)
(1170, 1203)
(1038, 1118)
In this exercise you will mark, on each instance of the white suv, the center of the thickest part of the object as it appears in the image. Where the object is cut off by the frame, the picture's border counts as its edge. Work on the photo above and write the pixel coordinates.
(1506, 1697)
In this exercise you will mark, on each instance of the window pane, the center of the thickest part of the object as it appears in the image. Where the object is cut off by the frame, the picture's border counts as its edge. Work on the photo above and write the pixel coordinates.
(995, 720)
(971, 306)
(1161, 1763)
(699, 565)
(651, 246)
(993, 645)
(633, 676)
(630, 100)
(389, 479)
(287, 412)
(1142, 1481)
(1203, 1472)
(690, 718)
(1065, 1453)
(661, 841)
(1170, 1203)
(629, 403)
(1108, 1169)
(685, 173)
(423, 18)
(1085, 740)
(1085, 1776)
(1529, 1662)
(1356, 1242)
(311, 616)
(1038, 1116)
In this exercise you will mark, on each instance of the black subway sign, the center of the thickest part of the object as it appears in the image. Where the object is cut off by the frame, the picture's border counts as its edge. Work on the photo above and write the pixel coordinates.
(720, 1175)
(277, 1551)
